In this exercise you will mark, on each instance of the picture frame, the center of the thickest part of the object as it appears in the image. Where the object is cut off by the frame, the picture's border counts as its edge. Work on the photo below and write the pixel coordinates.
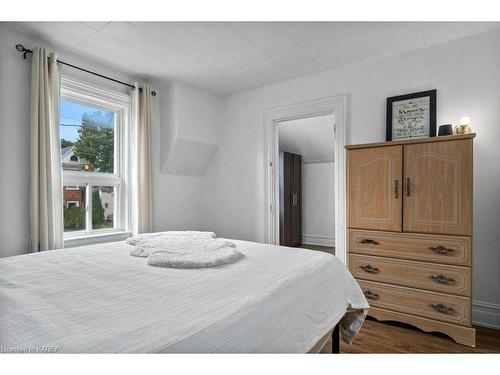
(411, 116)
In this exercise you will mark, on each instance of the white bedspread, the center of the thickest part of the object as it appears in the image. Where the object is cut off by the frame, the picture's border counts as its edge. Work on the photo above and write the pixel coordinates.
(100, 299)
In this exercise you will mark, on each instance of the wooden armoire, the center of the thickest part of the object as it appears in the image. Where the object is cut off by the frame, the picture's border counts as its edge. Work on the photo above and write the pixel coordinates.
(290, 199)
(410, 231)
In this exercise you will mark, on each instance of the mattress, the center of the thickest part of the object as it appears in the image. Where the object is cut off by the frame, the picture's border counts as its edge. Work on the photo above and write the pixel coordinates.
(99, 299)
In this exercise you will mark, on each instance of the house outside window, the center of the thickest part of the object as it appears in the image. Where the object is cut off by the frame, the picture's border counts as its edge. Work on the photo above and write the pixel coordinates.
(92, 127)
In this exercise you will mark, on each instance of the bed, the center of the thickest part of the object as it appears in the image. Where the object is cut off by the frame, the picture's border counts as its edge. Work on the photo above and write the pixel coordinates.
(99, 299)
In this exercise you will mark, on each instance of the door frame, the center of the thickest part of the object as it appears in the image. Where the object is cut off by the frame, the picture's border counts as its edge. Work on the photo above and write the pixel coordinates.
(333, 105)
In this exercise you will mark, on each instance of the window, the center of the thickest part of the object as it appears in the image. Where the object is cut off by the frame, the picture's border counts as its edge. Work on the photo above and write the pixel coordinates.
(92, 128)
(74, 203)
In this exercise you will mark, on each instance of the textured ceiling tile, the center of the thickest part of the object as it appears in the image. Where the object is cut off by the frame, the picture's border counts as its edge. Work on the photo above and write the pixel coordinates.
(438, 32)
(298, 63)
(175, 33)
(132, 35)
(400, 37)
(327, 55)
(203, 73)
(125, 33)
(250, 54)
(206, 52)
(305, 32)
(476, 27)
(96, 25)
(65, 33)
(229, 64)
(279, 46)
(182, 60)
(258, 32)
(269, 72)
(222, 35)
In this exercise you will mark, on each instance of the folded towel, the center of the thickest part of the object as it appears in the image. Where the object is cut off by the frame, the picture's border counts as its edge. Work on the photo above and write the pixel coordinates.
(178, 245)
(134, 240)
(142, 252)
(184, 249)
(194, 259)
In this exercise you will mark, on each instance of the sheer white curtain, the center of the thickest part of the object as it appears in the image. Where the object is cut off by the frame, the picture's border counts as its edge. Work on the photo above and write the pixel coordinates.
(46, 211)
(140, 147)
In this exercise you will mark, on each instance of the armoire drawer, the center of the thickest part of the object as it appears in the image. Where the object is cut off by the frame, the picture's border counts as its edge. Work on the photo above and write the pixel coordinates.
(439, 306)
(412, 246)
(429, 276)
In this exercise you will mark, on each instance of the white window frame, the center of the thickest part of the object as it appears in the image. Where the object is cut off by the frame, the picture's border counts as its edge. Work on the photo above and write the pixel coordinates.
(120, 104)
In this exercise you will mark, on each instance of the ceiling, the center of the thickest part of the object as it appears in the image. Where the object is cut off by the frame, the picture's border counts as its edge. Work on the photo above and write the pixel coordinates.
(227, 57)
(313, 138)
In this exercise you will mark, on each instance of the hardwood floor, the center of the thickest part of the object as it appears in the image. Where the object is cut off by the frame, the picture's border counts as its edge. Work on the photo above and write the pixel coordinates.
(388, 337)
(326, 249)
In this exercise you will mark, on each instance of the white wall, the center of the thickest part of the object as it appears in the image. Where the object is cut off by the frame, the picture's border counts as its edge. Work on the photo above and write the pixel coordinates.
(466, 74)
(318, 204)
(189, 118)
(174, 197)
(198, 114)
(192, 116)
(14, 150)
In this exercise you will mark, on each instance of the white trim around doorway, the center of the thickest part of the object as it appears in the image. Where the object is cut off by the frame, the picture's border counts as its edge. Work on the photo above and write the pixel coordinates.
(336, 105)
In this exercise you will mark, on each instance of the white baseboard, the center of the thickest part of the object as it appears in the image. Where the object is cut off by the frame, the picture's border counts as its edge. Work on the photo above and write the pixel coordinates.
(312, 239)
(486, 314)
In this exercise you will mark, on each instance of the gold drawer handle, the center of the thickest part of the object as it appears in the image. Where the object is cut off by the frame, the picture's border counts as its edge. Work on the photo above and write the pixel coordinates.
(441, 279)
(441, 250)
(369, 268)
(443, 309)
(370, 295)
(369, 241)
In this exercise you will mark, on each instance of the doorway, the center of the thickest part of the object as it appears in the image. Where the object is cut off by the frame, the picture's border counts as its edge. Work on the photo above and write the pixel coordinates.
(335, 106)
(306, 203)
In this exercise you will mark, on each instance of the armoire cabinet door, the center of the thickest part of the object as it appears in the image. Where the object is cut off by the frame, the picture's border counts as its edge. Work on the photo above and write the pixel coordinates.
(438, 187)
(296, 219)
(374, 188)
(290, 185)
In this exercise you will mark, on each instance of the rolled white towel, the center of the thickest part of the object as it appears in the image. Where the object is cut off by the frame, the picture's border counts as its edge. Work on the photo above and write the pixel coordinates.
(172, 234)
(134, 240)
(185, 244)
(194, 259)
(142, 252)
(179, 245)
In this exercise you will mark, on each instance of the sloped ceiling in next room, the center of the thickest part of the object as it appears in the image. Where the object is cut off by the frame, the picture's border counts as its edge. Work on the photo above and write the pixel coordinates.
(313, 138)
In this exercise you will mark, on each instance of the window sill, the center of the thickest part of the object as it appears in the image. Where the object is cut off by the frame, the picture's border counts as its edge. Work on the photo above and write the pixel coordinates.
(91, 239)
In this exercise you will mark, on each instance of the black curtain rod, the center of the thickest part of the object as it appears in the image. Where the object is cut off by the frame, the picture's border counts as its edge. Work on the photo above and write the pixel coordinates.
(20, 48)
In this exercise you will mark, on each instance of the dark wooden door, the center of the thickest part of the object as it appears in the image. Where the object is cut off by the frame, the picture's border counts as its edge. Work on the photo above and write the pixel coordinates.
(290, 199)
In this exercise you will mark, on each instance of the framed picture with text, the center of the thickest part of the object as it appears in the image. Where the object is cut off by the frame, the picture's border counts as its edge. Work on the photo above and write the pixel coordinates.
(411, 116)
